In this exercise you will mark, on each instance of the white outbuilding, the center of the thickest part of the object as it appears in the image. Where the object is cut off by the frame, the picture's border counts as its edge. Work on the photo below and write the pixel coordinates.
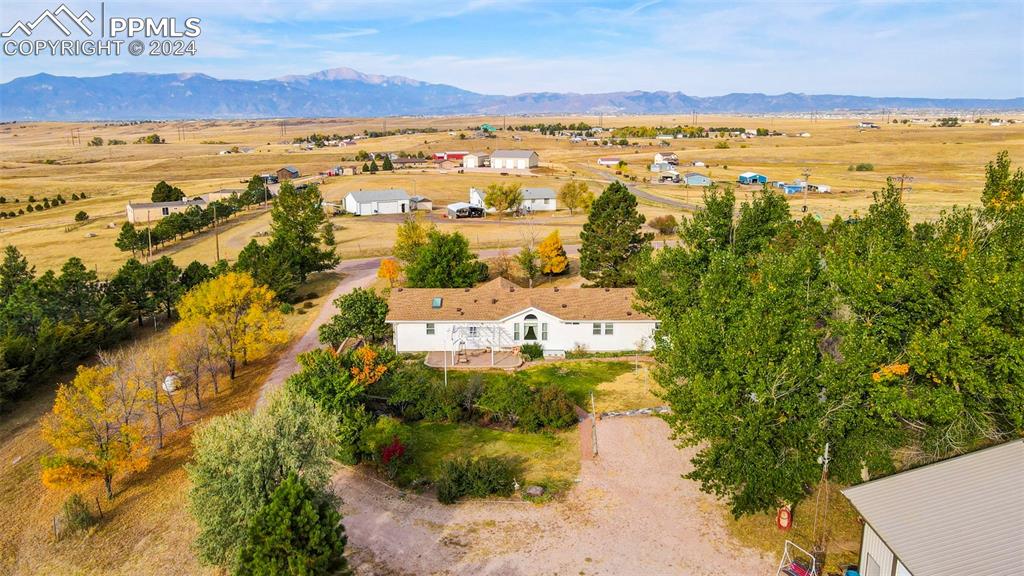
(475, 160)
(370, 202)
(514, 159)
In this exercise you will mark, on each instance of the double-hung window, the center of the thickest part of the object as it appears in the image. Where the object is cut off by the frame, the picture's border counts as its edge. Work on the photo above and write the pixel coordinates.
(430, 329)
(597, 328)
(609, 329)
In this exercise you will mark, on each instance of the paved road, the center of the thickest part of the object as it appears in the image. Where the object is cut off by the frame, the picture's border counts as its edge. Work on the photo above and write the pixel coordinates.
(601, 175)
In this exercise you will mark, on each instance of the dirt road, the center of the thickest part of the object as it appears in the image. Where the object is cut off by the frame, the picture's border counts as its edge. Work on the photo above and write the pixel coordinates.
(630, 514)
(357, 274)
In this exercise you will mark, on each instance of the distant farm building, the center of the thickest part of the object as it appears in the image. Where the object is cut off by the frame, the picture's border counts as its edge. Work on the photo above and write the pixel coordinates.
(457, 155)
(666, 157)
(696, 179)
(446, 164)
(421, 203)
(287, 173)
(370, 202)
(476, 160)
(143, 212)
(609, 161)
(514, 159)
(408, 162)
(662, 167)
(752, 178)
(698, 164)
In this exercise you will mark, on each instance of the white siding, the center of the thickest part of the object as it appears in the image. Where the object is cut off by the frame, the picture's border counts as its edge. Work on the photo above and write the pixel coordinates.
(874, 552)
(370, 208)
(561, 336)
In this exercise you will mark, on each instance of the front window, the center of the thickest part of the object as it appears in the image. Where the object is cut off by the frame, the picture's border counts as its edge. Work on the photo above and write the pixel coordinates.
(472, 331)
(544, 331)
(515, 331)
(609, 329)
(597, 329)
(430, 329)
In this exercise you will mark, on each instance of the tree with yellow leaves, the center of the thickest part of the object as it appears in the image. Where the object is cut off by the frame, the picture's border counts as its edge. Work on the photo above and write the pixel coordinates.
(240, 317)
(87, 432)
(552, 255)
(389, 270)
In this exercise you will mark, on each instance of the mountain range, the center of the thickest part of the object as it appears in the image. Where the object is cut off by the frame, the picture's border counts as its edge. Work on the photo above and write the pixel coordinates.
(340, 92)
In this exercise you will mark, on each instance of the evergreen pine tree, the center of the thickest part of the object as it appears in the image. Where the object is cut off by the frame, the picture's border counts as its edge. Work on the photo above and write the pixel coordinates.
(299, 531)
(612, 241)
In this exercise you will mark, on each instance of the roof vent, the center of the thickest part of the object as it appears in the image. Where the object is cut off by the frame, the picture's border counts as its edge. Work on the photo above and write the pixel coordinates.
(465, 289)
(629, 312)
(400, 289)
(607, 289)
(458, 309)
(494, 300)
(436, 302)
(512, 289)
(556, 288)
(565, 305)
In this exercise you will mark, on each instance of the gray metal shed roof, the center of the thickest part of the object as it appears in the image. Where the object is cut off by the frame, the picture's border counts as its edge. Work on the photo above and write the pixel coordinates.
(537, 193)
(385, 195)
(512, 153)
(960, 516)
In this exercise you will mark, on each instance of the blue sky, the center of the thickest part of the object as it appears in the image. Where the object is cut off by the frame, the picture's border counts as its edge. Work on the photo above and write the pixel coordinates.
(875, 48)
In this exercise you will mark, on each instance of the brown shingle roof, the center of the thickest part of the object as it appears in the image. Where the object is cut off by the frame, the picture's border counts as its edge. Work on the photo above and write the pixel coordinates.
(500, 298)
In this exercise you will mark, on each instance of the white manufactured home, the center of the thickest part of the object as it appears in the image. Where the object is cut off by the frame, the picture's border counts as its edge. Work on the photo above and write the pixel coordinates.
(534, 199)
(957, 517)
(500, 315)
(514, 159)
(370, 202)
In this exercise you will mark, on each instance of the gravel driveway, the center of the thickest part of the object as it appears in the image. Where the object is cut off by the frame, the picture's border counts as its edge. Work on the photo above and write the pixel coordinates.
(630, 514)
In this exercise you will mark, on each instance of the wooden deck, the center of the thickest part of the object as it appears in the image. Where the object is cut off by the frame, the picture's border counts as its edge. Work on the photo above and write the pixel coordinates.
(475, 360)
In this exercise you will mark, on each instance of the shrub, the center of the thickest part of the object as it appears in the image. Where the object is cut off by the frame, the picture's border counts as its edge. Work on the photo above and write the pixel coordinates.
(475, 477)
(414, 393)
(533, 351)
(77, 515)
(386, 444)
(505, 399)
(307, 304)
(311, 295)
(665, 224)
(81, 216)
(862, 167)
(549, 407)
(287, 308)
(723, 145)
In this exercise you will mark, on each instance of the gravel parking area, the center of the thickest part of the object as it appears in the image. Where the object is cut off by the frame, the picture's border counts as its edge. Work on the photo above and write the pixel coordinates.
(630, 514)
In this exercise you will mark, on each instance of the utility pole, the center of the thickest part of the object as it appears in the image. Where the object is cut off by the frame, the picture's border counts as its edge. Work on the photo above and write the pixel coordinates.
(593, 422)
(821, 540)
(216, 233)
(149, 239)
(807, 181)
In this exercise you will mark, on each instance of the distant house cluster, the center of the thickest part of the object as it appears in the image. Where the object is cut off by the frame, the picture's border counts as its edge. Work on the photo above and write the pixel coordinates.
(143, 212)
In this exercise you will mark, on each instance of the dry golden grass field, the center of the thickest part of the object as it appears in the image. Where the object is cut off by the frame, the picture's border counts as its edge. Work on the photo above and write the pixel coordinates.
(38, 159)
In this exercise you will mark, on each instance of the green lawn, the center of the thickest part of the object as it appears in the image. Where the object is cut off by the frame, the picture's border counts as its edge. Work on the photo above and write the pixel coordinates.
(578, 378)
(551, 460)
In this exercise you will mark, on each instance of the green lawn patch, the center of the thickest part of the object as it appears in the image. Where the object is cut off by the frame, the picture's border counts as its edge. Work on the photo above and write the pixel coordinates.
(551, 460)
(578, 379)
